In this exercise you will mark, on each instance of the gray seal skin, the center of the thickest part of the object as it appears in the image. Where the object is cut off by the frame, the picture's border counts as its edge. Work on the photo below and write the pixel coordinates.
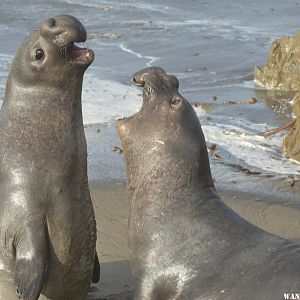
(47, 222)
(184, 242)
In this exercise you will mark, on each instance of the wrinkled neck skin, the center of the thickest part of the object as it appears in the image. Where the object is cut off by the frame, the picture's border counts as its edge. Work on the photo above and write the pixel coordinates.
(44, 121)
(158, 180)
(40, 101)
(20, 97)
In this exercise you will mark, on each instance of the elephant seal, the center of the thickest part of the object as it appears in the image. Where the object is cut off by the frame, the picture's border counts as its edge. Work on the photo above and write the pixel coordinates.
(184, 242)
(47, 222)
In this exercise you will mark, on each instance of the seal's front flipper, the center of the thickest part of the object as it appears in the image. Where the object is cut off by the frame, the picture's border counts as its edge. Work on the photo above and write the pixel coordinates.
(32, 253)
(96, 272)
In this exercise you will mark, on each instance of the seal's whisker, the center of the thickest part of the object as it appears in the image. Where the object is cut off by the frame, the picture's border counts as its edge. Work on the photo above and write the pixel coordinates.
(60, 50)
(63, 51)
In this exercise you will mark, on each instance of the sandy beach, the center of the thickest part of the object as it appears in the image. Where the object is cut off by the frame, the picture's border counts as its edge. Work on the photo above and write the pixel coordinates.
(111, 209)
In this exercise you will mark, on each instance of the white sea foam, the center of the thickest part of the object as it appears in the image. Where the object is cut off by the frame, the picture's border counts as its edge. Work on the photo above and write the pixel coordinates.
(227, 28)
(151, 59)
(205, 84)
(105, 101)
(90, 3)
(248, 84)
(5, 61)
(240, 139)
(145, 6)
(2, 266)
(113, 4)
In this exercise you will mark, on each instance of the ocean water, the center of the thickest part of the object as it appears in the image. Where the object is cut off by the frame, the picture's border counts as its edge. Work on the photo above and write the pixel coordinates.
(211, 46)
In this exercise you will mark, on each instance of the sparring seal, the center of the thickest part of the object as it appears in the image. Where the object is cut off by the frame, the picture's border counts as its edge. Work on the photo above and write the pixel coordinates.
(184, 242)
(47, 222)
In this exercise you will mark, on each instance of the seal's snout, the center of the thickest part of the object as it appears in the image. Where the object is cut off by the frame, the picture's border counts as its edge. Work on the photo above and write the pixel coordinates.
(63, 29)
(173, 81)
(138, 81)
(141, 77)
(51, 22)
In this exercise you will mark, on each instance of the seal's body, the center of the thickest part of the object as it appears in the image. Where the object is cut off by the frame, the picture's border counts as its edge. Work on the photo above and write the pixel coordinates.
(47, 222)
(184, 242)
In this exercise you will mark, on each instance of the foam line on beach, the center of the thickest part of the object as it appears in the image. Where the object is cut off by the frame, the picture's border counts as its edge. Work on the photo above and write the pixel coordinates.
(114, 4)
(145, 6)
(219, 25)
(206, 82)
(240, 138)
(5, 62)
(89, 3)
(151, 59)
(105, 101)
(228, 29)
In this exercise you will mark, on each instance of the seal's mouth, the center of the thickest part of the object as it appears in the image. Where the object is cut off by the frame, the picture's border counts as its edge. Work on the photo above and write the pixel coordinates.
(139, 83)
(122, 124)
(77, 54)
(153, 80)
(148, 88)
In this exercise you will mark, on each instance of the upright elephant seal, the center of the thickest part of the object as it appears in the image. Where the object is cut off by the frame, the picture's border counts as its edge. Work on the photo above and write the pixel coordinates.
(184, 242)
(47, 223)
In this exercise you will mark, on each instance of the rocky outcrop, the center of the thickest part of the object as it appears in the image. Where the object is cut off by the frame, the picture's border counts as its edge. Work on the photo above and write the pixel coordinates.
(282, 71)
(291, 143)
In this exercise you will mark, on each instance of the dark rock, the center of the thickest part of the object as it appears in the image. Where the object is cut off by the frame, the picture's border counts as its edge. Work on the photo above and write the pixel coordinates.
(291, 142)
(211, 147)
(252, 100)
(117, 149)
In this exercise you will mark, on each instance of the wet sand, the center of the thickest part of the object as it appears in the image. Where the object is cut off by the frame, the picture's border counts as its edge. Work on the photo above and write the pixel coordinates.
(111, 210)
(277, 215)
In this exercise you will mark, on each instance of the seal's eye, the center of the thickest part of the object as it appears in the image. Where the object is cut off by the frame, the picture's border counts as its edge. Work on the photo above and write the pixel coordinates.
(39, 54)
(175, 101)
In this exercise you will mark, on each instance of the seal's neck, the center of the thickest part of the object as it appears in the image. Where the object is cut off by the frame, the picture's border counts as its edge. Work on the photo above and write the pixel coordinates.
(44, 119)
(40, 100)
(164, 183)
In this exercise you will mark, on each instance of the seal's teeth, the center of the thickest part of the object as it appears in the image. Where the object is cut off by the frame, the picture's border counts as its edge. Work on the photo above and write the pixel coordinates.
(81, 54)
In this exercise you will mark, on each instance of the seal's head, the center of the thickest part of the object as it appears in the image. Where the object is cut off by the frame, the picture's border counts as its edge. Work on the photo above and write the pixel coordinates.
(165, 134)
(50, 55)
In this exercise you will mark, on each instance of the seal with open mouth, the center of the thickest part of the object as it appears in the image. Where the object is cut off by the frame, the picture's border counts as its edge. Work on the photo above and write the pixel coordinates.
(184, 242)
(47, 222)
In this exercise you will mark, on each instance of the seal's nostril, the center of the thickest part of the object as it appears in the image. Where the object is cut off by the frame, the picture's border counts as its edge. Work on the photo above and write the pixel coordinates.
(137, 81)
(51, 22)
(175, 101)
